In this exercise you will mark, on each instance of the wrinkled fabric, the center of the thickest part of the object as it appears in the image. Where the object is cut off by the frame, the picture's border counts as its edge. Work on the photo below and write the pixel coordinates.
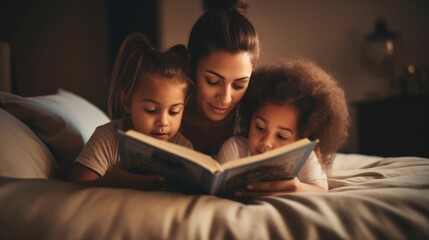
(369, 198)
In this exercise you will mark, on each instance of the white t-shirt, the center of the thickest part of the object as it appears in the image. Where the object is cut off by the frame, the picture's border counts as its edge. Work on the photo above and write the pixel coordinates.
(237, 147)
(101, 152)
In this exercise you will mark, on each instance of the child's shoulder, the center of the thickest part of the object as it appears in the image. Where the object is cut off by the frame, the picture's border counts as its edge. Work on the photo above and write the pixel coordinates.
(237, 140)
(183, 141)
(110, 128)
(113, 125)
(234, 148)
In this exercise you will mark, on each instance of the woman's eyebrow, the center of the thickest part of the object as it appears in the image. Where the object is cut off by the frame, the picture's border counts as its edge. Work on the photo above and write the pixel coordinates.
(242, 79)
(149, 100)
(220, 76)
(215, 73)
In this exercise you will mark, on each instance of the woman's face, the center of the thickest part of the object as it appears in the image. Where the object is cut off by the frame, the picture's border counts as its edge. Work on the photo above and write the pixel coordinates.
(221, 81)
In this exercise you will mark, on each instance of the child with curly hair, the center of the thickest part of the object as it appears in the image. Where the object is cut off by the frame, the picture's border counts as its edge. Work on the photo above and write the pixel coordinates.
(285, 102)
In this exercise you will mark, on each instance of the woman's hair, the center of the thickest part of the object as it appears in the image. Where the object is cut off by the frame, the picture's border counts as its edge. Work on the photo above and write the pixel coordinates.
(315, 95)
(223, 27)
(137, 60)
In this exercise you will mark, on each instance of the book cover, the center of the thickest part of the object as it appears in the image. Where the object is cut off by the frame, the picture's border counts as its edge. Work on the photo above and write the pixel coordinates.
(189, 171)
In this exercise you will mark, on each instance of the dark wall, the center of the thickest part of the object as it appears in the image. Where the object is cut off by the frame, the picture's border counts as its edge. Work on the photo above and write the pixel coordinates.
(125, 17)
(70, 44)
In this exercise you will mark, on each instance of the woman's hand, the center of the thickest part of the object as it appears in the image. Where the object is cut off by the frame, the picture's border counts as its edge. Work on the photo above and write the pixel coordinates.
(116, 177)
(278, 187)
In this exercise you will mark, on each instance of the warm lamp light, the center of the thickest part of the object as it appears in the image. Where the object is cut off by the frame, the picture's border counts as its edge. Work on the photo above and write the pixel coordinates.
(381, 50)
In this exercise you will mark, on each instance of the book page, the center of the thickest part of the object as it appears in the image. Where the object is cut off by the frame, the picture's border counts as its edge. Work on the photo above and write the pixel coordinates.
(265, 155)
(181, 175)
(280, 166)
(177, 150)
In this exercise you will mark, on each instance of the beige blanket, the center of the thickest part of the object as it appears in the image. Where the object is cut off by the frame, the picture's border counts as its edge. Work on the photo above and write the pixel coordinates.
(369, 198)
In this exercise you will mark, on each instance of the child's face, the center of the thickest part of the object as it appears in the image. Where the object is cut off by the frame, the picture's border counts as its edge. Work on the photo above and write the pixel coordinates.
(221, 80)
(272, 126)
(156, 107)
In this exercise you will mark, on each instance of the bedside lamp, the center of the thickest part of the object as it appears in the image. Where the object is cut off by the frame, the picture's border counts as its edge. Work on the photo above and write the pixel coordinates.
(381, 50)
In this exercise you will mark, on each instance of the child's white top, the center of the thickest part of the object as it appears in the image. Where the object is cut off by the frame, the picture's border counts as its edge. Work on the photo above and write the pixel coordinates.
(236, 147)
(100, 153)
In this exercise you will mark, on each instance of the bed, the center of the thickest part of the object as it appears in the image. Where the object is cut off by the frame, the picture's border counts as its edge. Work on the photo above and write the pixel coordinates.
(370, 197)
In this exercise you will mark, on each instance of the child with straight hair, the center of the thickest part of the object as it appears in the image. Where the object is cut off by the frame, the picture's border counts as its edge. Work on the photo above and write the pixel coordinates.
(286, 102)
(149, 90)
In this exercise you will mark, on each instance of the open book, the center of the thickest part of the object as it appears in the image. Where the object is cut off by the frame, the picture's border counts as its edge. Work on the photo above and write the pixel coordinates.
(189, 171)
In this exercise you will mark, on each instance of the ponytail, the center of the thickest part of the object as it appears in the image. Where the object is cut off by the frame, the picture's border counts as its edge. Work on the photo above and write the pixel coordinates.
(136, 60)
(239, 6)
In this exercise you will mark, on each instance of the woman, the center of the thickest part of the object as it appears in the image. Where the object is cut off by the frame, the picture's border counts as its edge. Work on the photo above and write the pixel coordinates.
(224, 47)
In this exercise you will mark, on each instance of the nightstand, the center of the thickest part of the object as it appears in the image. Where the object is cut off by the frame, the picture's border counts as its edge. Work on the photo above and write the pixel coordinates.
(396, 126)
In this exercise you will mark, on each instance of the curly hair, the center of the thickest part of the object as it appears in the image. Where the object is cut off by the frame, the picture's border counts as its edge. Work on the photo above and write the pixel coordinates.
(316, 96)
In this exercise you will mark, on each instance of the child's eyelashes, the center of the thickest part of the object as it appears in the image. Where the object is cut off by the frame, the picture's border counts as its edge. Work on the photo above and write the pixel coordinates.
(259, 128)
(176, 110)
(156, 111)
(174, 113)
(282, 138)
(150, 111)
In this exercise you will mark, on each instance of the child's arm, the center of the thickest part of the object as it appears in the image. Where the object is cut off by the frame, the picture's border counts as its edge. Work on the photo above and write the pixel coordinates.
(97, 164)
(115, 177)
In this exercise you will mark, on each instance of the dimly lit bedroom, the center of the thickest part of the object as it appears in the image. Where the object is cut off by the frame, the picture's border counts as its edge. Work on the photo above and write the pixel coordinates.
(58, 65)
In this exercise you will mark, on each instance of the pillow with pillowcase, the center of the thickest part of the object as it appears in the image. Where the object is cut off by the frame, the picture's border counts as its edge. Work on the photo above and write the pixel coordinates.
(63, 121)
(22, 153)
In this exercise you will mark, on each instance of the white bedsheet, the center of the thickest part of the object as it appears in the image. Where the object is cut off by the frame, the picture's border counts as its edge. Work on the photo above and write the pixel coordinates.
(369, 198)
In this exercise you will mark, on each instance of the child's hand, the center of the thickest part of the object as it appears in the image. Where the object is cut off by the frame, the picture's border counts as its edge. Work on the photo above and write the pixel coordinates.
(118, 177)
(273, 188)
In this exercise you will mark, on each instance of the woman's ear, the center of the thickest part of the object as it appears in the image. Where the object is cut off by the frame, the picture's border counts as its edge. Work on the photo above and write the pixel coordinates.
(125, 102)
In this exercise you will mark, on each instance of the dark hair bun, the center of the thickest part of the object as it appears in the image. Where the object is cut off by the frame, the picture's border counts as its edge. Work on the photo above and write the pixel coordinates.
(179, 49)
(240, 6)
(180, 52)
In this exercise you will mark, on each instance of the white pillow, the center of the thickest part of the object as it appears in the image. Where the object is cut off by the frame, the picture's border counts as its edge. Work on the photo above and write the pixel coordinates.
(63, 121)
(80, 113)
(22, 154)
